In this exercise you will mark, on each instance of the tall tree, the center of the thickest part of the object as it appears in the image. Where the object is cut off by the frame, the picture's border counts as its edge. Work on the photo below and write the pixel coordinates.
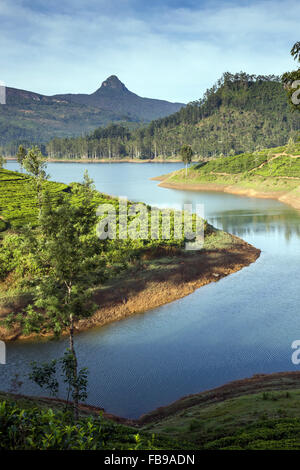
(186, 153)
(291, 80)
(2, 161)
(67, 250)
(21, 154)
(295, 51)
(35, 164)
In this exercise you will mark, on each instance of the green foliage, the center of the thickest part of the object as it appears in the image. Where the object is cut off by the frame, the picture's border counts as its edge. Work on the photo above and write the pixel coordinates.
(276, 164)
(17, 255)
(238, 114)
(283, 166)
(34, 163)
(21, 154)
(2, 161)
(36, 429)
(3, 225)
(18, 203)
(234, 164)
(232, 424)
(76, 383)
(37, 121)
(186, 153)
(291, 79)
(32, 258)
(273, 434)
(244, 420)
(295, 51)
(46, 376)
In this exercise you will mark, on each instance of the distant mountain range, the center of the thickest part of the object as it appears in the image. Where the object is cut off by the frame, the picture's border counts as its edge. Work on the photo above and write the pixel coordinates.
(115, 97)
(37, 118)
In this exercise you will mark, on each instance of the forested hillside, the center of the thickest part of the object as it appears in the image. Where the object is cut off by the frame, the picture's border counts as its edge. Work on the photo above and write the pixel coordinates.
(29, 117)
(239, 113)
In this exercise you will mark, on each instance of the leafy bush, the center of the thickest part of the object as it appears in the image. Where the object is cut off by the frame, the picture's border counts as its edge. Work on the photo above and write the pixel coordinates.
(234, 164)
(282, 166)
(268, 434)
(19, 206)
(3, 225)
(37, 429)
(18, 203)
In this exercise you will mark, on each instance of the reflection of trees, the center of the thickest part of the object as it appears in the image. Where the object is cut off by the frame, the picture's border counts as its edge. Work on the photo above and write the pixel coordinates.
(242, 222)
(251, 222)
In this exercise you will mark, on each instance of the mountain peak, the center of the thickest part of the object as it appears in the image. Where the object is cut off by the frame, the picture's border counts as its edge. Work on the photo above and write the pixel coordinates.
(113, 82)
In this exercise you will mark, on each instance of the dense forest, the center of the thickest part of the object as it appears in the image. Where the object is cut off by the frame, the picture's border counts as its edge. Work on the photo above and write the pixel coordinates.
(239, 113)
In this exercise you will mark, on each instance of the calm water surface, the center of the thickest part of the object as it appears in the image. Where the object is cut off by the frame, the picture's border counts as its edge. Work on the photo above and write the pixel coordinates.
(241, 325)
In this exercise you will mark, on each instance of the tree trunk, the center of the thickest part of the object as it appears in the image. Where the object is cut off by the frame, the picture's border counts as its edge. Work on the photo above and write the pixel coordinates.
(72, 349)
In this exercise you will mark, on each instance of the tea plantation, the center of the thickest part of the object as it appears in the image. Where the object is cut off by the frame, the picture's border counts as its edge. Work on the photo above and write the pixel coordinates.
(253, 168)
(18, 204)
(266, 420)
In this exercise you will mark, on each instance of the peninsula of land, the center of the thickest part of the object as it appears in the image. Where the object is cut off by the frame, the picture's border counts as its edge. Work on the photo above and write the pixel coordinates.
(269, 173)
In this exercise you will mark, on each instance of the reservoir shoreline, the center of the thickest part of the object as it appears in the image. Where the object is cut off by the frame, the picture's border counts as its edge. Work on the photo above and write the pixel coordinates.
(147, 288)
(105, 160)
(291, 198)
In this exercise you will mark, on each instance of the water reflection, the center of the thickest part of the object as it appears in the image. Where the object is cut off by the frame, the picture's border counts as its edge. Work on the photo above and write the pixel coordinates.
(241, 325)
(242, 222)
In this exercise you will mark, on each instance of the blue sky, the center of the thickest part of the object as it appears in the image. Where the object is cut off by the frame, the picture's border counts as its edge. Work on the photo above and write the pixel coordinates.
(168, 49)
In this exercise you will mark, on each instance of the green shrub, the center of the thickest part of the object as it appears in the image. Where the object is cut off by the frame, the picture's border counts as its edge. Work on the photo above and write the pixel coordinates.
(278, 434)
(36, 429)
(3, 225)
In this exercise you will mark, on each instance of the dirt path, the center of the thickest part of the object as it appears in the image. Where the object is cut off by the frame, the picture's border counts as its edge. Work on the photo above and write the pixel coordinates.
(266, 162)
(277, 155)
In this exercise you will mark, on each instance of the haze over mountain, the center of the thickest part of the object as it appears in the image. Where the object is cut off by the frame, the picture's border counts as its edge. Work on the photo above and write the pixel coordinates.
(35, 117)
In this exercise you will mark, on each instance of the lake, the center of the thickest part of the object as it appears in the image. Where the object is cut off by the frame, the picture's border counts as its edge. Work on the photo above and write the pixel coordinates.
(242, 325)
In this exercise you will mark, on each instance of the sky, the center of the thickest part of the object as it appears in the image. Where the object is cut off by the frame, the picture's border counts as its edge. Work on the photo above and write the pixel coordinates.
(166, 49)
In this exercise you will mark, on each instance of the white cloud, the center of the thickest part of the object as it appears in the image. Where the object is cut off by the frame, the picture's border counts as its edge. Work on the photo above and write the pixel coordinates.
(172, 54)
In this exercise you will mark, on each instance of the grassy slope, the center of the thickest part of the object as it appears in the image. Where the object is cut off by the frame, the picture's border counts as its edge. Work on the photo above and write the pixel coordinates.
(40, 122)
(17, 199)
(261, 412)
(258, 413)
(113, 432)
(269, 170)
(263, 420)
